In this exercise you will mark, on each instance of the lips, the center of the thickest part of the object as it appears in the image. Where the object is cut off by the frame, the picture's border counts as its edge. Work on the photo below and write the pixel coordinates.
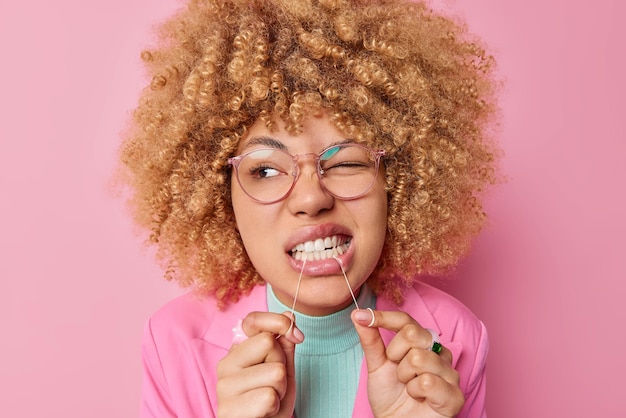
(321, 248)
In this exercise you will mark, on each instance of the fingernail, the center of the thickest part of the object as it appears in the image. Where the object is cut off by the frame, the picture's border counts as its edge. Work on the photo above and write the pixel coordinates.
(298, 334)
(363, 316)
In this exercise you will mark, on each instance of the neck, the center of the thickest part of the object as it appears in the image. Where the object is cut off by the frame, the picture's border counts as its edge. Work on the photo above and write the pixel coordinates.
(326, 334)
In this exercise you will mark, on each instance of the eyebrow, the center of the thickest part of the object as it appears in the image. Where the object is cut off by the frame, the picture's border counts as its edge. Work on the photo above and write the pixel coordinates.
(268, 141)
(265, 140)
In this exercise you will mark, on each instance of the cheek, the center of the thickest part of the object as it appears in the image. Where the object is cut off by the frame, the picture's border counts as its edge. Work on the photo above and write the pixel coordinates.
(254, 220)
(382, 228)
(382, 208)
(242, 205)
(383, 214)
(376, 216)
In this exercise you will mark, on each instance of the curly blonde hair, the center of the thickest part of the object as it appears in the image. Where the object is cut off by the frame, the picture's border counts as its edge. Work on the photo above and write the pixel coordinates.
(389, 73)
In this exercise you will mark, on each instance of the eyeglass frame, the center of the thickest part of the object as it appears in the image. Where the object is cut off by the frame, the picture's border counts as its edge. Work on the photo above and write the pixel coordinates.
(378, 154)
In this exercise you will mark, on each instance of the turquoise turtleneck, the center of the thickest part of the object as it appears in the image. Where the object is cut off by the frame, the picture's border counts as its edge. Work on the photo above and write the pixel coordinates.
(328, 362)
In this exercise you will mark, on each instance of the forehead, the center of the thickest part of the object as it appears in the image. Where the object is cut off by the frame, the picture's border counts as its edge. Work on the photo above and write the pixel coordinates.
(315, 134)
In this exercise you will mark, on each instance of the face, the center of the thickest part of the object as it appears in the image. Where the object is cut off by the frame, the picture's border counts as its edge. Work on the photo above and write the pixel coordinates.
(308, 214)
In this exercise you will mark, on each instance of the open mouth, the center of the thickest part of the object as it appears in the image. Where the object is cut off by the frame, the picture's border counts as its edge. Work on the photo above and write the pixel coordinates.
(322, 248)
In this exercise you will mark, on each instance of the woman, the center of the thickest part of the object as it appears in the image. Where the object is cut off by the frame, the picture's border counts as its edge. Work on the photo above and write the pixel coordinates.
(291, 159)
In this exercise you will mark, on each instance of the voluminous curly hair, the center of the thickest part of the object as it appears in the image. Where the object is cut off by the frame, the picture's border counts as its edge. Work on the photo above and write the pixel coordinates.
(391, 74)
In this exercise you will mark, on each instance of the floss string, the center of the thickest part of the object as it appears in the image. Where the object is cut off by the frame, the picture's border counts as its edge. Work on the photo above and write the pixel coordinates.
(352, 293)
(295, 297)
(347, 281)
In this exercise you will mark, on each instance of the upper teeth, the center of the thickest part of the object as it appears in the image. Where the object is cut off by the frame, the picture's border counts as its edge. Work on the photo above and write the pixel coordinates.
(320, 248)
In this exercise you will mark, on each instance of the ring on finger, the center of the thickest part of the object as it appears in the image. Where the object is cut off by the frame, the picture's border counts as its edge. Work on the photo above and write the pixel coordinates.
(435, 346)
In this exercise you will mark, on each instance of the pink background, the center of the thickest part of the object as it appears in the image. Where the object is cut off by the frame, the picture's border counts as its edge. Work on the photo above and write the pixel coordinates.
(547, 275)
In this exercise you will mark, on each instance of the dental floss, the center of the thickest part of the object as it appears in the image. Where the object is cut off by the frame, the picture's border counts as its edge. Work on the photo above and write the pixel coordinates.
(352, 293)
(373, 318)
(347, 281)
(295, 297)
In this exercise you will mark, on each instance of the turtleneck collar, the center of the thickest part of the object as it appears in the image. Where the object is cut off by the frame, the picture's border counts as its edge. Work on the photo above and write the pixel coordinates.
(325, 335)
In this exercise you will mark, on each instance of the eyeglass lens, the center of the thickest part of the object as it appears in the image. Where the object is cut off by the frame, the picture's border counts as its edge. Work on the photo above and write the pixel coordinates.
(346, 171)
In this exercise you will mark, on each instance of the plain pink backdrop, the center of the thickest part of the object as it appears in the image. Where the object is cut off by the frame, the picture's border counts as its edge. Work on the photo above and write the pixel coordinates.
(547, 275)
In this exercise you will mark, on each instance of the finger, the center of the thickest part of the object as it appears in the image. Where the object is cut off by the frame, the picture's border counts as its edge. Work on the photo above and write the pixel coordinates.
(391, 320)
(289, 350)
(288, 398)
(418, 361)
(260, 370)
(257, 349)
(259, 402)
(443, 397)
(272, 375)
(371, 341)
(287, 345)
(445, 355)
(293, 333)
(278, 324)
(410, 336)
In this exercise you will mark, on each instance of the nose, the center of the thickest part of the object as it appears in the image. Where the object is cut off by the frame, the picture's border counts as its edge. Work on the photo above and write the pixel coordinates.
(308, 196)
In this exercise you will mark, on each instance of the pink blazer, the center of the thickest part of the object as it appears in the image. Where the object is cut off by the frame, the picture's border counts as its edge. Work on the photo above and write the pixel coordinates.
(185, 339)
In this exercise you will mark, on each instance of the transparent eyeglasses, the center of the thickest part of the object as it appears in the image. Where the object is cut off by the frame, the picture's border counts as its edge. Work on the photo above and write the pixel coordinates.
(346, 171)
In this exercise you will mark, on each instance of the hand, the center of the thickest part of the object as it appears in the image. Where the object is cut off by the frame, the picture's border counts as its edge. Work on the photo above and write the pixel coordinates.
(405, 379)
(257, 376)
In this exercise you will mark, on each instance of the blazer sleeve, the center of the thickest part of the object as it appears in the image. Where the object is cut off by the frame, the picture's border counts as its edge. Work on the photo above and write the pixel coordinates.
(156, 400)
(475, 393)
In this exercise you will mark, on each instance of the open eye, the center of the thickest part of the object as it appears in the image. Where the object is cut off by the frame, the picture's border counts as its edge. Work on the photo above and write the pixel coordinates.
(262, 172)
